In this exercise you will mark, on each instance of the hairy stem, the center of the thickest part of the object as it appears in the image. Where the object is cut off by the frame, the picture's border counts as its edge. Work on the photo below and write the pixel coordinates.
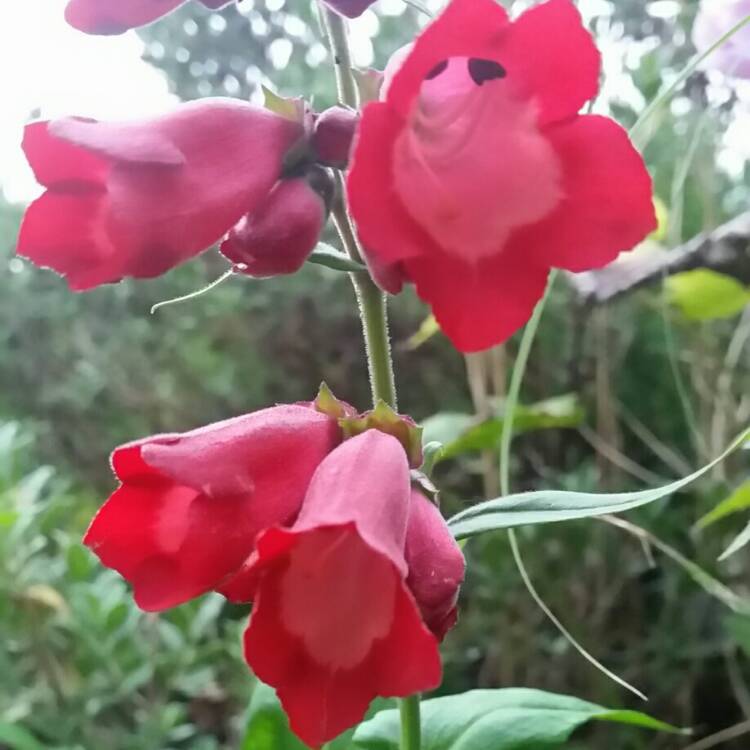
(372, 305)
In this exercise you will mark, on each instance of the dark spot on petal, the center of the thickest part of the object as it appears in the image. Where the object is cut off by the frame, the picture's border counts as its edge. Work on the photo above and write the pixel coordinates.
(437, 70)
(485, 70)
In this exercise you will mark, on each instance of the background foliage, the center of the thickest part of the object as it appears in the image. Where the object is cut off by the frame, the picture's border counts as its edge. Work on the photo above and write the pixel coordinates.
(648, 390)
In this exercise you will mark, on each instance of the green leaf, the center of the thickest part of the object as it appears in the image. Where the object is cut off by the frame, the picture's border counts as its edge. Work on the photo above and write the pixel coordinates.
(15, 737)
(507, 719)
(548, 506)
(267, 725)
(427, 329)
(325, 255)
(738, 501)
(460, 433)
(740, 541)
(707, 295)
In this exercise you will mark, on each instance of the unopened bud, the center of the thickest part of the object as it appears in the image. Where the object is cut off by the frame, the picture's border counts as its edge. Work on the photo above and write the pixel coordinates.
(333, 135)
(278, 237)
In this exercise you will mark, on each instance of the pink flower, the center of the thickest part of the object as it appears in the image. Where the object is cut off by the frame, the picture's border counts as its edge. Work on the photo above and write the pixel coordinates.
(349, 8)
(475, 174)
(117, 16)
(137, 198)
(278, 236)
(334, 623)
(190, 506)
(716, 18)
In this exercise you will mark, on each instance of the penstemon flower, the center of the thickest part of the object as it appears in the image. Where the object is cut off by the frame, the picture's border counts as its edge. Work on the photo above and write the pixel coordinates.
(485, 174)
(138, 198)
(189, 506)
(117, 16)
(334, 622)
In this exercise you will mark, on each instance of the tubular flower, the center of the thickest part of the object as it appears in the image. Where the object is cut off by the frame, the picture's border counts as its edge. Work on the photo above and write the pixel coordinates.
(137, 198)
(190, 506)
(334, 622)
(117, 16)
(485, 175)
(713, 21)
(436, 565)
(280, 234)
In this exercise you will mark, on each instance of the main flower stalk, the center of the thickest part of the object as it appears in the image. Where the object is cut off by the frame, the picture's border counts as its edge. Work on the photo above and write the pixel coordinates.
(372, 305)
(372, 308)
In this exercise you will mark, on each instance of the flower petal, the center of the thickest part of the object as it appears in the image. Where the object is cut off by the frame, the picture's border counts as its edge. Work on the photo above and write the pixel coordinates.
(466, 28)
(608, 206)
(107, 17)
(190, 506)
(383, 225)
(480, 304)
(553, 55)
(57, 162)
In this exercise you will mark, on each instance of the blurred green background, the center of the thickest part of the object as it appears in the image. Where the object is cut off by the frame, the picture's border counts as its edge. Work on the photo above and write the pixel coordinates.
(654, 384)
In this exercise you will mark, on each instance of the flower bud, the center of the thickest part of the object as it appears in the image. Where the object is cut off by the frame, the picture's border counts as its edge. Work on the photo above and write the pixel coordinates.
(436, 565)
(278, 237)
(333, 135)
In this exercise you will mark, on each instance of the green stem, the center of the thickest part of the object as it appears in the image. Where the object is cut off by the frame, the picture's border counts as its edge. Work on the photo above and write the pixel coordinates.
(511, 401)
(411, 725)
(335, 27)
(372, 304)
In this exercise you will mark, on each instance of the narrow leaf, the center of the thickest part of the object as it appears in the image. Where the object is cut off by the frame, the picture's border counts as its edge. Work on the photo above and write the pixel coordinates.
(325, 255)
(548, 506)
(738, 501)
(739, 542)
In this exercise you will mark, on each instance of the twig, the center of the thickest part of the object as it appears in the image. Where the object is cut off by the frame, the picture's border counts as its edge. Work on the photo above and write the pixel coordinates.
(725, 735)
(725, 250)
(617, 458)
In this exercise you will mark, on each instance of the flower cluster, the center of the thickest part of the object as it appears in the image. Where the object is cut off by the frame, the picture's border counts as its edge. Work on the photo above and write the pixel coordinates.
(471, 178)
(349, 567)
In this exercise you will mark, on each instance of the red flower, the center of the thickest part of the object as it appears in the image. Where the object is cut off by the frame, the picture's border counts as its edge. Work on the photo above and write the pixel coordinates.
(475, 175)
(190, 506)
(279, 235)
(117, 16)
(436, 565)
(137, 198)
(334, 623)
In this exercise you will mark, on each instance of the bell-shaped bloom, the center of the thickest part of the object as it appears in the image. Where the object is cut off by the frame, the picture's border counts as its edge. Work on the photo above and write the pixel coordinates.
(191, 505)
(117, 16)
(436, 565)
(279, 235)
(715, 18)
(475, 174)
(137, 198)
(334, 623)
